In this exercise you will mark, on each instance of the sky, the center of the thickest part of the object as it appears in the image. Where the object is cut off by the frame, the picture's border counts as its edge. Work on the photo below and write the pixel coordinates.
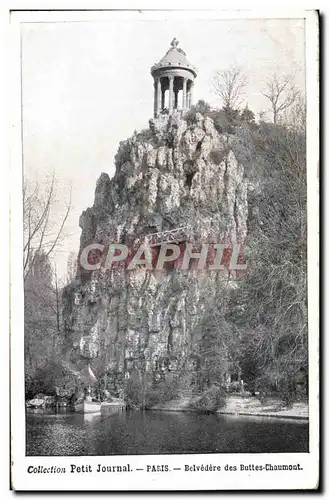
(86, 86)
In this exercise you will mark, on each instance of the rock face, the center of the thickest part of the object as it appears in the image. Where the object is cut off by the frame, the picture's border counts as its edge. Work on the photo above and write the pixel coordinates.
(173, 175)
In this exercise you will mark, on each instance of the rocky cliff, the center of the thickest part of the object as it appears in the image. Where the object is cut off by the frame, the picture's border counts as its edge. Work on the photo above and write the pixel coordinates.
(176, 174)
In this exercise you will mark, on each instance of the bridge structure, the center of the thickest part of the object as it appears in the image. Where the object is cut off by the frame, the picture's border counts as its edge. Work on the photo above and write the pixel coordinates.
(177, 235)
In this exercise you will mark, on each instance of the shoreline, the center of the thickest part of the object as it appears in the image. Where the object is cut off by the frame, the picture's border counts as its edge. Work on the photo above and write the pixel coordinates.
(247, 406)
(236, 405)
(233, 414)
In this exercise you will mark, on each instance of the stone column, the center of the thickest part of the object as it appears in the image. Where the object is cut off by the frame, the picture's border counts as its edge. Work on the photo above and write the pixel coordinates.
(184, 94)
(155, 105)
(176, 100)
(163, 92)
(188, 98)
(171, 93)
(158, 96)
(191, 93)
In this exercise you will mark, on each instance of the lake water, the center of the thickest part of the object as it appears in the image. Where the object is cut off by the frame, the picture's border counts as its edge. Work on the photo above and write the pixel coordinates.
(155, 432)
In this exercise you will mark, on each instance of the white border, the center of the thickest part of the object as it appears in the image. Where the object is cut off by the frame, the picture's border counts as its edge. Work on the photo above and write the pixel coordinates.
(21, 480)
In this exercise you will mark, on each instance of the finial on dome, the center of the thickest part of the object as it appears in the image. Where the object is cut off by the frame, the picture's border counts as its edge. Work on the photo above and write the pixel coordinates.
(174, 43)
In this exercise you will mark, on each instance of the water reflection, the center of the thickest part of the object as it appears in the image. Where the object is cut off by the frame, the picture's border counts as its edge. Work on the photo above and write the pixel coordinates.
(116, 432)
(89, 417)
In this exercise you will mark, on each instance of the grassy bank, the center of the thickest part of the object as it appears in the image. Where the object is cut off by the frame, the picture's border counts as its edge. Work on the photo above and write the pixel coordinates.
(247, 405)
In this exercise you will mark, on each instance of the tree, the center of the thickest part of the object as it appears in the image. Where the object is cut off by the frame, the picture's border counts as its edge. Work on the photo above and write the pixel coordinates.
(295, 115)
(39, 313)
(248, 116)
(230, 86)
(202, 107)
(42, 232)
(72, 263)
(270, 306)
(215, 349)
(281, 93)
(57, 290)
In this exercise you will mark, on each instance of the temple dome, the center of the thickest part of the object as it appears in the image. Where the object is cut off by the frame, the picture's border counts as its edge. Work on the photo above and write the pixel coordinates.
(173, 82)
(174, 58)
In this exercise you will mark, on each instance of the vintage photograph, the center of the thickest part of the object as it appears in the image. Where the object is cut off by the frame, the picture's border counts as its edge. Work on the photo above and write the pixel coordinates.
(165, 237)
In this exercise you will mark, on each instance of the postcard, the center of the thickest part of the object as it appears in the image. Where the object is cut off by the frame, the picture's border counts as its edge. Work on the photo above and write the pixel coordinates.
(164, 250)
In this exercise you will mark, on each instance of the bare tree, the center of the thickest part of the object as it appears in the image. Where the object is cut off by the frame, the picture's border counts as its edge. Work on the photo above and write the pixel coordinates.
(275, 333)
(281, 93)
(43, 230)
(57, 292)
(295, 115)
(72, 264)
(230, 86)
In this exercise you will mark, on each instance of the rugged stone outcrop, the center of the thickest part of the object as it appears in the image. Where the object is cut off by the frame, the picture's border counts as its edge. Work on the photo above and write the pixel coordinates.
(173, 175)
